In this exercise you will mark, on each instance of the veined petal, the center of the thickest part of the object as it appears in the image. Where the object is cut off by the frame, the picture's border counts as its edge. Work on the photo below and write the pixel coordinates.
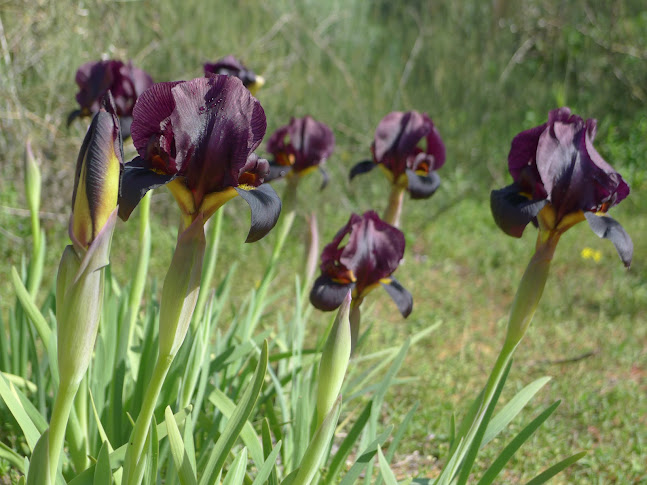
(265, 205)
(608, 228)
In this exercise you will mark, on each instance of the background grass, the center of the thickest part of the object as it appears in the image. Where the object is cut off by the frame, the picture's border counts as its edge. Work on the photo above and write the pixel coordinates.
(483, 71)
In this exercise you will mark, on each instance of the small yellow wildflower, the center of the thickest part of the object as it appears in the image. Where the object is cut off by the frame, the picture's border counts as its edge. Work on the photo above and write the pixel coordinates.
(589, 253)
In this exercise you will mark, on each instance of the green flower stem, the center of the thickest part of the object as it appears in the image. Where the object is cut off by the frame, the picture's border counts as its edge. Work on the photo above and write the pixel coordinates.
(209, 267)
(78, 435)
(523, 309)
(289, 202)
(139, 281)
(394, 209)
(355, 319)
(58, 422)
(142, 425)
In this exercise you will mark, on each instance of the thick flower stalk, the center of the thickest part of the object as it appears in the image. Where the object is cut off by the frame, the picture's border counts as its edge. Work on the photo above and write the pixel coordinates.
(125, 81)
(409, 149)
(369, 258)
(230, 66)
(197, 138)
(79, 285)
(559, 179)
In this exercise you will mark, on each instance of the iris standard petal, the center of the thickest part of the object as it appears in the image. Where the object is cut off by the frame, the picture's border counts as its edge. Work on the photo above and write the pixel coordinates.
(608, 228)
(374, 250)
(216, 123)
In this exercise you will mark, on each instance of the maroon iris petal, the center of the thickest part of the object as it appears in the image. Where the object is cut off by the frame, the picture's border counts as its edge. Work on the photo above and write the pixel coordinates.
(373, 252)
(125, 81)
(303, 143)
(203, 130)
(556, 163)
(397, 143)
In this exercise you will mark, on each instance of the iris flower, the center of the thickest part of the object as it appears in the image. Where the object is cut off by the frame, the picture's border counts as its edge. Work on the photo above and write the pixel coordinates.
(198, 138)
(371, 254)
(299, 147)
(559, 179)
(231, 66)
(408, 147)
(125, 81)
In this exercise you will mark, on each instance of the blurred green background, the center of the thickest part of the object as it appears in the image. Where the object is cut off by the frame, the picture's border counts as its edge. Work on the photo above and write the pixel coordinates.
(483, 71)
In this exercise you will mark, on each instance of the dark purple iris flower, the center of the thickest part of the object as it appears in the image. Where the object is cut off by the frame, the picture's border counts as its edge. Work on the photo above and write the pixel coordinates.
(373, 252)
(408, 146)
(198, 137)
(300, 146)
(231, 66)
(559, 180)
(125, 81)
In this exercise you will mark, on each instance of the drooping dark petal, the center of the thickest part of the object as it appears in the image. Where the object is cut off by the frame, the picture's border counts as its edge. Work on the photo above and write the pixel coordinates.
(374, 250)
(512, 211)
(361, 167)
(400, 296)
(136, 181)
(324, 178)
(608, 228)
(327, 295)
(72, 116)
(422, 186)
(265, 206)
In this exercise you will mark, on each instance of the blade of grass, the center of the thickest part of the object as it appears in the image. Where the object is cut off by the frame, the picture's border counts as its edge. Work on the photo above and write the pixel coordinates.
(549, 473)
(236, 423)
(509, 451)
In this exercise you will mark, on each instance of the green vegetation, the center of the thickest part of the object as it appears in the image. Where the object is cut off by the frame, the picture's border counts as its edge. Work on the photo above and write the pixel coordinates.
(483, 71)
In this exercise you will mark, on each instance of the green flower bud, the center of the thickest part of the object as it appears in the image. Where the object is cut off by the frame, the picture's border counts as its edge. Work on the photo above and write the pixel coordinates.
(334, 361)
(98, 172)
(32, 179)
